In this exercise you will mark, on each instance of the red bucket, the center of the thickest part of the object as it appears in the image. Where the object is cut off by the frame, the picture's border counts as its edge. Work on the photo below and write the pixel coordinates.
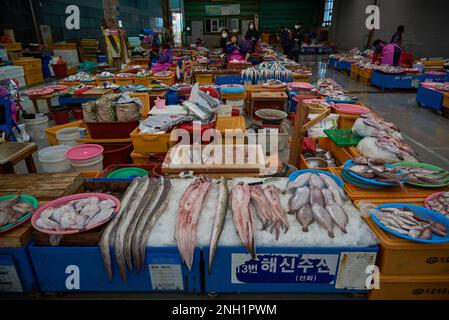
(60, 116)
(117, 154)
(77, 113)
(60, 70)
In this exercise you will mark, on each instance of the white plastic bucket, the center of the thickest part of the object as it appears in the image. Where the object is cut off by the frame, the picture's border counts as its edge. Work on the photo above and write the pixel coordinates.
(53, 159)
(68, 136)
(36, 128)
(96, 165)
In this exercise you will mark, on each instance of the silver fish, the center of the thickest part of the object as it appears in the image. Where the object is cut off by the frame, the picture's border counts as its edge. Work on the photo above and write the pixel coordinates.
(148, 197)
(103, 215)
(322, 217)
(111, 227)
(328, 181)
(337, 196)
(158, 210)
(316, 197)
(220, 218)
(299, 199)
(134, 207)
(305, 217)
(146, 214)
(299, 182)
(339, 216)
(316, 182)
(328, 197)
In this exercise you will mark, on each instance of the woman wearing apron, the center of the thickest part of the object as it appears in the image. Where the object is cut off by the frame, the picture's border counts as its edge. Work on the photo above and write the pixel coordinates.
(389, 53)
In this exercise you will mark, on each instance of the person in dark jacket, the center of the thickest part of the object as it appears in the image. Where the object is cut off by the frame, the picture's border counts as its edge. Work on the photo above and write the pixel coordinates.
(224, 40)
(252, 36)
(284, 38)
(397, 36)
(235, 50)
(296, 41)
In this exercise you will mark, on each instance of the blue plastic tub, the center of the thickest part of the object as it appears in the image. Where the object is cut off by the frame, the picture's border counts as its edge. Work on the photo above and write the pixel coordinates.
(300, 269)
(421, 212)
(429, 98)
(60, 269)
(18, 270)
(221, 80)
(348, 164)
(390, 81)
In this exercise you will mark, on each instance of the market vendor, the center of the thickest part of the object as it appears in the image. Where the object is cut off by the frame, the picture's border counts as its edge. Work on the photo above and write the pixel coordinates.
(296, 42)
(252, 36)
(284, 39)
(236, 50)
(387, 53)
(224, 40)
(165, 59)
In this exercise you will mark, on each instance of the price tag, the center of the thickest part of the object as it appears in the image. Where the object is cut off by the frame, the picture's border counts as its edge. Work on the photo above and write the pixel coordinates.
(165, 272)
(352, 269)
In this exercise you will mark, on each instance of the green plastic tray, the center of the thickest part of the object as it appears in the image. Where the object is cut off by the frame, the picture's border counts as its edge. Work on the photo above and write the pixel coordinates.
(343, 137)
(23, 198)
(125, 173)
(424, 166)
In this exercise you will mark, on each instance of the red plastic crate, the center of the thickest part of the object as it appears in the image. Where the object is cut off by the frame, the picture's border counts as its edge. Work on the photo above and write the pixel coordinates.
(111, 130)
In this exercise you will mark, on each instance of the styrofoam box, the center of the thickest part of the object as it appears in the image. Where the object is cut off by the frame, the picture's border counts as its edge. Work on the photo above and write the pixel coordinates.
(11, 72)
(70, 57)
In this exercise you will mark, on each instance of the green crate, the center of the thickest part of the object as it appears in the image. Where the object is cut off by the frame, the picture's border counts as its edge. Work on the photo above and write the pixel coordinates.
(343, 137)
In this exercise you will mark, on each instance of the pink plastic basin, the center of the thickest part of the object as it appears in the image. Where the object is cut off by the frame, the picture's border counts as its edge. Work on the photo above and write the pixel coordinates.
(65, 200)
(84, 153)
(350, 108)
(300, 86)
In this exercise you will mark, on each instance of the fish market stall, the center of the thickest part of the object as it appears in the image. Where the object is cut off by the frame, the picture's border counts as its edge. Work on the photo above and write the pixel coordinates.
(431, 94)
(16, 232)
(87, 261)
(297, 261)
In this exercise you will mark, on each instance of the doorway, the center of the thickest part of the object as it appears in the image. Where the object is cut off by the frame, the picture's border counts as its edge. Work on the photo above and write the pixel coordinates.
(177, 28)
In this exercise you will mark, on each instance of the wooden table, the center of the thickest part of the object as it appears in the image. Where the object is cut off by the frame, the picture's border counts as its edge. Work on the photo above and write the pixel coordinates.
(47, 98)
(42, 186)
(12, 153)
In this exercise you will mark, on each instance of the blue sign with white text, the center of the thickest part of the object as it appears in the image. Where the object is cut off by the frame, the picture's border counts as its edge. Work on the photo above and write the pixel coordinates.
(285, 268)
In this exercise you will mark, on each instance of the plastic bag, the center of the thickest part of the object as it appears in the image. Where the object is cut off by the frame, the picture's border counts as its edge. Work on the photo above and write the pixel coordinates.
(127, 112)
(90, 111)
(329, 123)
(106, 109)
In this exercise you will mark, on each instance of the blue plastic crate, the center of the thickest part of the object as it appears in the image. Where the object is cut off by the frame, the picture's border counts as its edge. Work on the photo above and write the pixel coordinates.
(333, 62)
(429, 98)
(59, 268)
(221, 80)
(284, 269)
(389, 81)
(17, 270)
